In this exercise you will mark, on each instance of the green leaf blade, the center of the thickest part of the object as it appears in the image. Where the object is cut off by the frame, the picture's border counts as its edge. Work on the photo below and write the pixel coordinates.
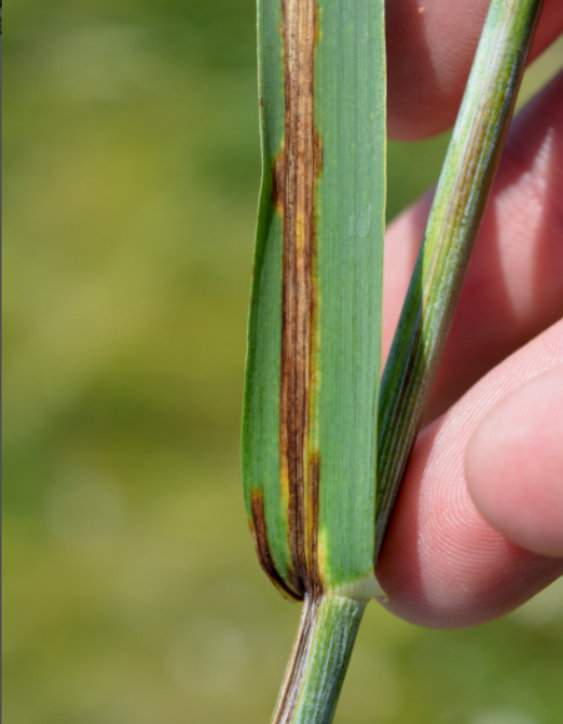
(261, 421)
(350, 112)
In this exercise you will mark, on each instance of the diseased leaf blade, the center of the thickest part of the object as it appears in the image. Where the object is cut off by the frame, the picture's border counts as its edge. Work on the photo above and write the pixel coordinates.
(309, 437)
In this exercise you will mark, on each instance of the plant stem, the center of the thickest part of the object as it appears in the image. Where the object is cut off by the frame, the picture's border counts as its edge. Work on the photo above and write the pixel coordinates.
(454, 219)
(319, 660)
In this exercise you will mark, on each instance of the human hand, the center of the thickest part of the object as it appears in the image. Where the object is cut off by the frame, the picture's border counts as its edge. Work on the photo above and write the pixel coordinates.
(478, 525)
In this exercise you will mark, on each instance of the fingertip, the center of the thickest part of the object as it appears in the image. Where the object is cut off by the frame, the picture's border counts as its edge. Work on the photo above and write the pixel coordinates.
(430, 49)
(442, 565)
(514, 466)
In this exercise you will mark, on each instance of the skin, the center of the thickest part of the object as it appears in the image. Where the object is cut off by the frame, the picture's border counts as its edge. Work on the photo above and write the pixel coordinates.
(478, 526)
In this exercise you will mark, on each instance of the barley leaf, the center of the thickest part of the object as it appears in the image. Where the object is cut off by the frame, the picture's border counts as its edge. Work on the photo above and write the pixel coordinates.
(310, 424)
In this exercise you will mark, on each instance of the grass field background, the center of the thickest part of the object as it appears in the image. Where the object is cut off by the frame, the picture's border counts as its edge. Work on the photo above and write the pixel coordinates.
(132, 594)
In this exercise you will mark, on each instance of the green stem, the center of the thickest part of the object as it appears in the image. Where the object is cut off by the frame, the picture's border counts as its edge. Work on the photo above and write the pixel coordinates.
(319, 660)
(454, 219)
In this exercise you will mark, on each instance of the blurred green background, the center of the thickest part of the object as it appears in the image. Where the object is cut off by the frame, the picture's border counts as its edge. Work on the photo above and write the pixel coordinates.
(132, 593)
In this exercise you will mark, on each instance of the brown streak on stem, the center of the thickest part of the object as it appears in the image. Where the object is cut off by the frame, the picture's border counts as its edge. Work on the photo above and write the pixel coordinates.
(260, 533)
(290, 688)
(300, 161)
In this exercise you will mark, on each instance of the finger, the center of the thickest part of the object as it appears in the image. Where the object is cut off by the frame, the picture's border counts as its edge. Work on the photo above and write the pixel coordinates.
(442, 563)
(514, 283)
(514, 465)
(430, 50)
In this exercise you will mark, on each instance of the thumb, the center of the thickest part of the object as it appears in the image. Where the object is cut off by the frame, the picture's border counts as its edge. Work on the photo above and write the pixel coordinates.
(514, 465)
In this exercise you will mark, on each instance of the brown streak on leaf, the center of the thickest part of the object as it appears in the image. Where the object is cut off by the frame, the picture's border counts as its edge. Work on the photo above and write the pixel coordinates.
(316, 583)
(317, 153)
(278, 183)
(301, 158)
(260, 533)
